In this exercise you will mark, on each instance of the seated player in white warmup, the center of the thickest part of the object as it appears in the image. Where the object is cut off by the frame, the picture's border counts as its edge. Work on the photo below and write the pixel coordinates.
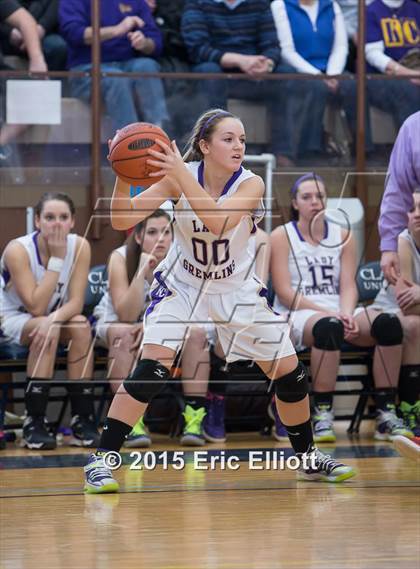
(118, 325)
(403, 299)
(313, 266)
(206, 275)
(45, 277)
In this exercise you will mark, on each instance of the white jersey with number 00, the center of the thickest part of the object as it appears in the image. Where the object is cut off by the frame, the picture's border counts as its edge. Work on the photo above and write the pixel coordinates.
(202, 259)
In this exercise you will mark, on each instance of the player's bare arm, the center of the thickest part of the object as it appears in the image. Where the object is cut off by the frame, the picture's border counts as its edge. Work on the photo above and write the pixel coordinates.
(77, 284)
(127, 212)
(127, 298)
(348, 289)
(35, 296)
(406, 291)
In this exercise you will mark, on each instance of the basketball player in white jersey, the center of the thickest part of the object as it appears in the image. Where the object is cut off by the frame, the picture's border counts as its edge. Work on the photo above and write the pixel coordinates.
(45, 276)
(313, 266)
(206, 275)
(404, 301)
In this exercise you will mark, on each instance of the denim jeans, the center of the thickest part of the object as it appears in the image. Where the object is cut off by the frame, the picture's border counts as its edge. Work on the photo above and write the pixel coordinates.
(399, 98)
(274, 93)
(120, 93)
(308, 101)
(55, 52)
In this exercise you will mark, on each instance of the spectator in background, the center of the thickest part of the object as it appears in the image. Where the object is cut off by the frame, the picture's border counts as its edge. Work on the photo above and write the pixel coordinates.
(313, 40)
(45, 13)
(392, 48)
(167, 15)
(181, 94)
(392, 32)
(403, 179)
(240, 37)
(131, 42)
(14, 15)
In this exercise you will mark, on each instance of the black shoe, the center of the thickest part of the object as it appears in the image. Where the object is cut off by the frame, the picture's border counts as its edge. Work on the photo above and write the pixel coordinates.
(85, 433)
(2, 440)
(36, 435)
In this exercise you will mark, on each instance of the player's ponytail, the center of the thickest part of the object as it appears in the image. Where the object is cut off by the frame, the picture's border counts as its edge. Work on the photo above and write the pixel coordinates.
(203, 129)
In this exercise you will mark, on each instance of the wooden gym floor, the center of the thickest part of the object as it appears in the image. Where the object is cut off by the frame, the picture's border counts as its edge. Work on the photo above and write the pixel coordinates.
(220, 518)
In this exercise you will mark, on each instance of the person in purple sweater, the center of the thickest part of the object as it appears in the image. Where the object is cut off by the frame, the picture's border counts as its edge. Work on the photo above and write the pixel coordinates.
(403, 179)
(130, 40)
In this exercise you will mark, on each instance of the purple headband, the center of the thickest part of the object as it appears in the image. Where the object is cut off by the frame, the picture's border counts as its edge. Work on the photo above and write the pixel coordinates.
(209, 120)
(311, 176)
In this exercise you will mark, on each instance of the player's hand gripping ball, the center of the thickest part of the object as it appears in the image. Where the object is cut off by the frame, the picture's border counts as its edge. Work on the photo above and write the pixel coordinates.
(129, 152)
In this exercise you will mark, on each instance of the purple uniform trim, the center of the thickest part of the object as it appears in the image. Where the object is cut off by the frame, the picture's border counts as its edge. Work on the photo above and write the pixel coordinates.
(229, 183)
(160, 292)
(6, 276)
(295, 225)
(35, 240)
(264, 293)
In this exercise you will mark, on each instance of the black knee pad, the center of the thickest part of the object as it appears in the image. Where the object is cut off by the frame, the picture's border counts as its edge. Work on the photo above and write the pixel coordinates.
(146, 380)
(294, 386)
(328, 334)
(387, 330)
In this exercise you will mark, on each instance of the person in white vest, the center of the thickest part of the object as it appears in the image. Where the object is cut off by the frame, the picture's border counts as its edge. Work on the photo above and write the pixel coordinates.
(44, 280)
(403, 299)
(206, 274)
(313, 267)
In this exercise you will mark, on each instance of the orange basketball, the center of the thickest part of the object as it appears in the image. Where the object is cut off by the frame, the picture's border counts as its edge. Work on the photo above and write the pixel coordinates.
(129, 152)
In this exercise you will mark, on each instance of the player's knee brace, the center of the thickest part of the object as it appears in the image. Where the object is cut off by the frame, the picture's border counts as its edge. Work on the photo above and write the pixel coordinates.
(146, 380)
(387, 330)
(294, 386)
(328, 334)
